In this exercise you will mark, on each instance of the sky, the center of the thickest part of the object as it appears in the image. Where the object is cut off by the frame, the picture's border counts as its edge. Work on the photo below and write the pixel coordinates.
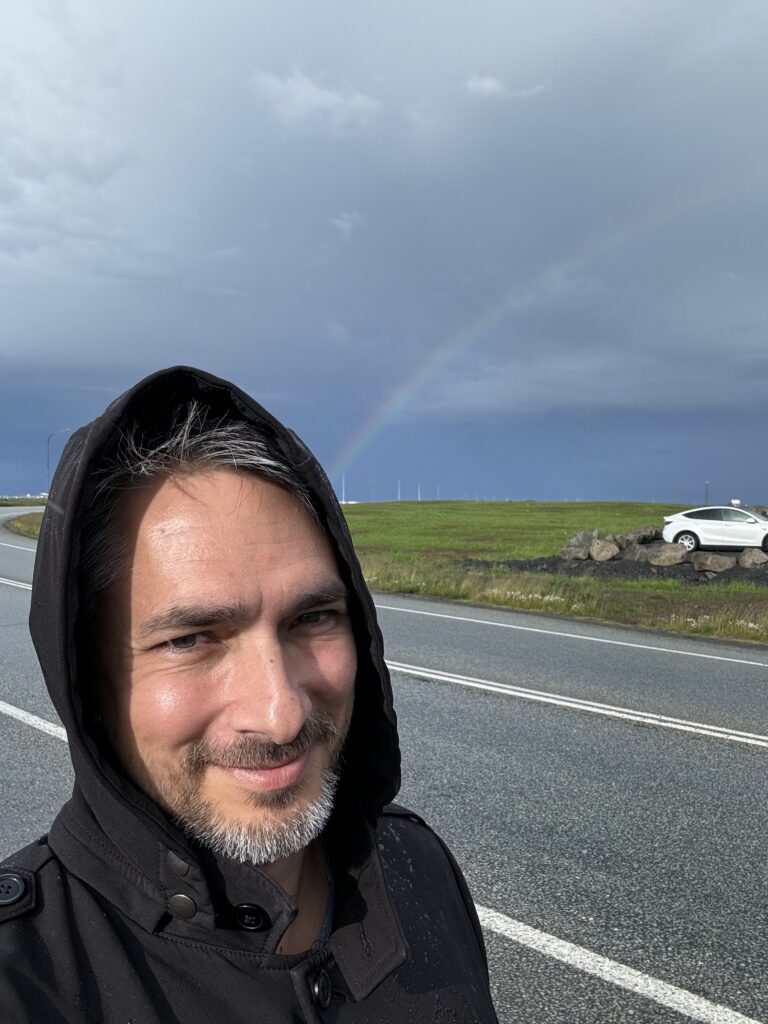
(488, 250)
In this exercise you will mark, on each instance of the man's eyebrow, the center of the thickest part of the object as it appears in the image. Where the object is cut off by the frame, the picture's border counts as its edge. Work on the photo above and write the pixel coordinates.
(327, 594)
(195, 616)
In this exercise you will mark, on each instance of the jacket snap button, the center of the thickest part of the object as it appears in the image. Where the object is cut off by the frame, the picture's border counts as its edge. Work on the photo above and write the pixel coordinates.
(182, 906)
(321, 990)
(252, 917)
(12, 888)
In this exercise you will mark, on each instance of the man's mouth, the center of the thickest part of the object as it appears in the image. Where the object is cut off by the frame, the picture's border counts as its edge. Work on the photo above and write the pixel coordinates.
(270, 777)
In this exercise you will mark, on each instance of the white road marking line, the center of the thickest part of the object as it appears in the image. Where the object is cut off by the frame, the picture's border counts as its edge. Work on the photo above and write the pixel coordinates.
(18, 547)
(16, 583)
(576, 704)
(33, 720)
(571, 636)
(678, 999)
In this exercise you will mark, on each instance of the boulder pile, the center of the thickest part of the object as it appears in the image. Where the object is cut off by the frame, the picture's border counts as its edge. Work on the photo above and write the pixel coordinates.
(644, 544)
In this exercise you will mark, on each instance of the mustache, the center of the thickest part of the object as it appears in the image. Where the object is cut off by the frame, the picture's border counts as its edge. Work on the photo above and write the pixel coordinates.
(252, 752)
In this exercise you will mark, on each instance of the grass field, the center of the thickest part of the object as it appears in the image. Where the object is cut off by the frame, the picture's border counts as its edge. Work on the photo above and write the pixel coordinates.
(9, 502)
(487, 529)
(418, 548)
(27, 525)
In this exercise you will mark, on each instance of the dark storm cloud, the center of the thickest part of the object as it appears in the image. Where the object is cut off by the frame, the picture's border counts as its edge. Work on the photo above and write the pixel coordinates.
(566, 200)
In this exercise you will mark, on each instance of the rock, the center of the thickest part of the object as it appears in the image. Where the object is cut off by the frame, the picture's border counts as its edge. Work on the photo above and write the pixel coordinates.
(578, 546)
(635, 552)
(643, 535)
(710, 561)
(578, 551)
(666, 554)
(585, 535)
(616, 538)
(603, 550)
(751, 558)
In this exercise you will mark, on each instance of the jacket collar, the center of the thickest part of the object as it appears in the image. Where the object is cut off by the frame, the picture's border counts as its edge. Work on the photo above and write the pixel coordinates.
(170, 893)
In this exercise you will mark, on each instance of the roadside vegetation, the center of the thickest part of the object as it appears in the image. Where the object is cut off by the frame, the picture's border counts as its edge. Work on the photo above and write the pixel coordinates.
(27, 525)
(425, 547)
(22, 501)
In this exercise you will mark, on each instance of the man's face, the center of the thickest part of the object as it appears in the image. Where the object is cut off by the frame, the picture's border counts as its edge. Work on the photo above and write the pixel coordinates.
(230, 661)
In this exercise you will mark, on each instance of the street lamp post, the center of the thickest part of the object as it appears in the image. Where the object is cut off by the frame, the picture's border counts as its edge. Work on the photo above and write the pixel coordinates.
(62, 430)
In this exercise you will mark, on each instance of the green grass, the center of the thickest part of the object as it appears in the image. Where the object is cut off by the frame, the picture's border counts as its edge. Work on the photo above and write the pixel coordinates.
(22, 501)
(27, 525)
(491, 530)
(418, 547)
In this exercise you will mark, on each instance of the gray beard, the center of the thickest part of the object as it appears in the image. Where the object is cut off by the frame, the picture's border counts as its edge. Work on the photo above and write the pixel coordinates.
(262, 842)
(284, 822)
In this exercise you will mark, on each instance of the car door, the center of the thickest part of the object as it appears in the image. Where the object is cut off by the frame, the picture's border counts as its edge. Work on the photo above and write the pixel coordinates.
(707, 524)
(740, 530)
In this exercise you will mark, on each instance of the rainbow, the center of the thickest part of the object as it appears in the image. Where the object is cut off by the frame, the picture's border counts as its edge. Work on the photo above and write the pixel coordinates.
(518, 296)
(430, 367)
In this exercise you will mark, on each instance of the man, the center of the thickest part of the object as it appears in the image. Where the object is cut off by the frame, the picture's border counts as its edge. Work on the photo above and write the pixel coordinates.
(230, 852)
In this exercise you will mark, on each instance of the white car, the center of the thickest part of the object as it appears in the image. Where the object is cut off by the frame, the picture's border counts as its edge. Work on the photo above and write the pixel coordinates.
(717, 526)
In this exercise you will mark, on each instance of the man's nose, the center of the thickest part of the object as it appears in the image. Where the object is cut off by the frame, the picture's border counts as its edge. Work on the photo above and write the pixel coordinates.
(264, 695)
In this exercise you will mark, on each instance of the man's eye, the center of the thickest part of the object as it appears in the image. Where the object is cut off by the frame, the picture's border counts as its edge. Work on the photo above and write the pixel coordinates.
(318, 618)
(186, 643)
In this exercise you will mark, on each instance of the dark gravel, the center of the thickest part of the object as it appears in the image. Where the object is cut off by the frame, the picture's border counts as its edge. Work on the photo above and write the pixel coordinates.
(617, 569)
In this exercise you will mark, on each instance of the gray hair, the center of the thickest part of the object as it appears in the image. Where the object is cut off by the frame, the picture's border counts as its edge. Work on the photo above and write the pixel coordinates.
(195, 441)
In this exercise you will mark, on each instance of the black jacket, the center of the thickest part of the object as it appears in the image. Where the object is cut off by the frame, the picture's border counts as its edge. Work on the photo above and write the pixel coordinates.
(116, 917)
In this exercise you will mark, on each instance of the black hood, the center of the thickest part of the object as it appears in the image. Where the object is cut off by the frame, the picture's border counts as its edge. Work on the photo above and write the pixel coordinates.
(371, 768)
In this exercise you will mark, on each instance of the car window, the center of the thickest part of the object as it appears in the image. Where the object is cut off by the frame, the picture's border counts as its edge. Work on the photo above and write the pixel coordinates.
(735, 515)
(704, 513)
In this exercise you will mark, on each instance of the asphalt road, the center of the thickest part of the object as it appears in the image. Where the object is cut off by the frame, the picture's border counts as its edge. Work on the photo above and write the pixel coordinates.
(15, 561)
(618, 860)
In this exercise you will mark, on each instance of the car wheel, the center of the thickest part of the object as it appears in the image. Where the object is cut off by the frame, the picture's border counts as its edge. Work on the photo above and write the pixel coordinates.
(764, 545)
(689, 540)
